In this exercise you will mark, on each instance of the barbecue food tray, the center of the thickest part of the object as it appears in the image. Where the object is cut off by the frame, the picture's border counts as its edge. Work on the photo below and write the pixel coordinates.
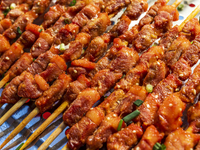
(61, 140)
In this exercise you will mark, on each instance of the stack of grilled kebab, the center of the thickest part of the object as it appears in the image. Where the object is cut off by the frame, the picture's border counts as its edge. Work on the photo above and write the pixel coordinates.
(75, 34)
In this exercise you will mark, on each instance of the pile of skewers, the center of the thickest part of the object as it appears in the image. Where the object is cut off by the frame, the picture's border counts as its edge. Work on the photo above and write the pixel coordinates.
(113, 86)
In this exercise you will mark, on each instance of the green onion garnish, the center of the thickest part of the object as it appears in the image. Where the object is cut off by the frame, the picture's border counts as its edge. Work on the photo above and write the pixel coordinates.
(12, 6)
(180, 7)
(138, 102)
(149, 88)
(67, 21)
(5, 12)
(40, 30)
(19, 31)
(123, 75)
(62, 46)
(192, 42)
(33, 59)
(20, 146)
(131, 116)
(73, 2)
(158, 146)
(6, 84)
(120, 124)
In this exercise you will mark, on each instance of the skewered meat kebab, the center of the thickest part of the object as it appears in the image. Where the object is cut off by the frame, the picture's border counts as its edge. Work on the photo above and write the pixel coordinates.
(177, 134)
(186, 139)
(119, 27)
(5, 6)
(87, 129)
(46, 39)
(151, 128)
(6, 58)
(19, 106)
(104, 20)
(151, 143)
(12, 16)
(19, 26)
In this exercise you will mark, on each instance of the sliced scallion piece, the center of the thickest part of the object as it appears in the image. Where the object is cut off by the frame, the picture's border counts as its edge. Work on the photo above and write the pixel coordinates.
(62, 46)
(120, 125)
(149, 88)
(19, 146)
(73, 2)
(131, 116)
(158, 146)
(19, 31)
(12, 6)
(138, 102)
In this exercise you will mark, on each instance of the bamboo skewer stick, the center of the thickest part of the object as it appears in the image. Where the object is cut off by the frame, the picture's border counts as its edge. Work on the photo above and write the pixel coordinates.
(20, 126)
(50, 139)
(13, 109)
(55, 114)
(4, 81)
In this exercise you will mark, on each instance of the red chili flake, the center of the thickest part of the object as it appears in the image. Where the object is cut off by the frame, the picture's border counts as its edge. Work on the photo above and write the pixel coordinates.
(46, 115)
(27, 100)
(192, 5)
(66, 132)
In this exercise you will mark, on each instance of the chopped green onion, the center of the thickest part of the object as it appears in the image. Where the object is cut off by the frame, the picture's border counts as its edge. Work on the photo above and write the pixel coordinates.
(123, 75)
(33, 59)
(131, 116)
(120, 125)
(83, 51)
(73, 2)
(12, 6)
(40, 30)
(149, 88)
(5, 12)
(180, 7)
(19, 31)
(62, 46)
(20, 146)
(192, 42)
(6, 85)
(105, 96)
(158, 146)
(67, 21)
(138, 102)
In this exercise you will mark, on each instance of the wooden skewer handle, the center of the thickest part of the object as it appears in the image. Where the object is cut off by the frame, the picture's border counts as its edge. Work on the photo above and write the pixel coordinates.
(53, 136)
(55, 114)
(192, 15)
(20, 126)
(13, 109)
(4, 81)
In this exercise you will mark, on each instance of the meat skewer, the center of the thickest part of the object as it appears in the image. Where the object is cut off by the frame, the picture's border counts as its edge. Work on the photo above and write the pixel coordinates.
(24, 100)
(40, 129)
(6, 4)
(46, 38)
(78, 131)
(142, 144)
(98, 19)
(178, 106)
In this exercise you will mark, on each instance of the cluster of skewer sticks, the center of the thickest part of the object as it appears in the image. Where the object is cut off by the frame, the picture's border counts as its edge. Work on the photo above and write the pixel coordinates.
(82, 33)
